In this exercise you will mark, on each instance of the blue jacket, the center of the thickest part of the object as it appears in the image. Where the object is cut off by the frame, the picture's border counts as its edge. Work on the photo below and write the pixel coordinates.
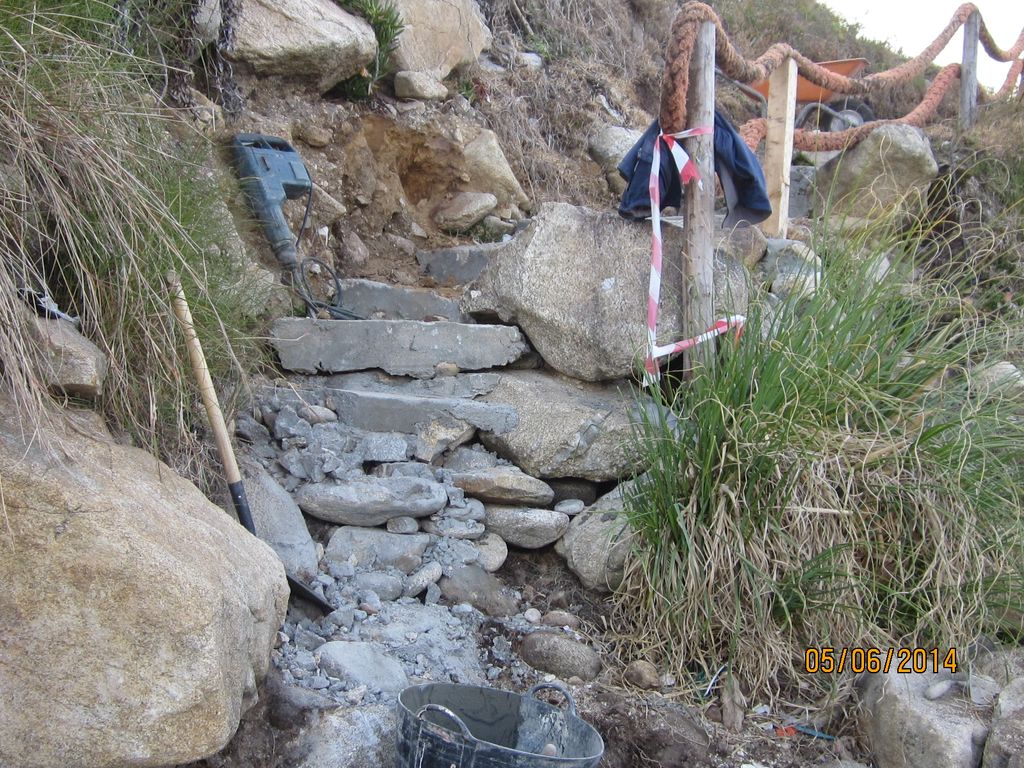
(738, 169)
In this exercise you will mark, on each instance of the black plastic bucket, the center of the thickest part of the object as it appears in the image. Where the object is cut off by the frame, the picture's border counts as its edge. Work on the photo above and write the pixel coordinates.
(442, 725)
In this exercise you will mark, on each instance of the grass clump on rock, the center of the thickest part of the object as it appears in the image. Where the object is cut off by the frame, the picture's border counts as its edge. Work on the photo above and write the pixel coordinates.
(97, 201)
(847, 475)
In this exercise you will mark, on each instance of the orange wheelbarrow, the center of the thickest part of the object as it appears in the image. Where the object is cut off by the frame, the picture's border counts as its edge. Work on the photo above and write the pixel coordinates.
(820, 108)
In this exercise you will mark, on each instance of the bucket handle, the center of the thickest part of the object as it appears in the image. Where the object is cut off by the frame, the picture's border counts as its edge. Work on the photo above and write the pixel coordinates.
(450, 715)
(570, 705)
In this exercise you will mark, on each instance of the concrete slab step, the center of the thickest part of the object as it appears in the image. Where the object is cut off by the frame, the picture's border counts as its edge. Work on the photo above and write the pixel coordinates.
(399, 347)
(380, 301)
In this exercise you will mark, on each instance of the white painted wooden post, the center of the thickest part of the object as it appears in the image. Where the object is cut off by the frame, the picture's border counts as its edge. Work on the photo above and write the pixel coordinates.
(699, 204)
(969, 73)
(778, 157)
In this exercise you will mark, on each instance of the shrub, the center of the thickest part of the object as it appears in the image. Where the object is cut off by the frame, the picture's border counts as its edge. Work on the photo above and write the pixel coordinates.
(841, 477)
(105, 202)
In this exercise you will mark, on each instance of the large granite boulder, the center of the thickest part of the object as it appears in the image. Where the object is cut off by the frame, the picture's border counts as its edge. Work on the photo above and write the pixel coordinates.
(890, 170)
(576, 281)
(565, 428)
(137, 616)
(439, 35)
(311, 40)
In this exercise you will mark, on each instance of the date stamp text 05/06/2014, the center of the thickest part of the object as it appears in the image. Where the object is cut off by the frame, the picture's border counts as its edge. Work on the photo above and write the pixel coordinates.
(830, 660)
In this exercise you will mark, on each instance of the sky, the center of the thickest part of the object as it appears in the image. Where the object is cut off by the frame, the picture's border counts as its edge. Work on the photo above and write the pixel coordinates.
(910, 25)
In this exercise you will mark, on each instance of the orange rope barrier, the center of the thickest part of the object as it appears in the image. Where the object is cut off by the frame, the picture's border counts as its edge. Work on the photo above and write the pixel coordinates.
(733, 64)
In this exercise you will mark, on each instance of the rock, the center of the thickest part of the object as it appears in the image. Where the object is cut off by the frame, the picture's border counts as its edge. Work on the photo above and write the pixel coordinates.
(464, 211)
(381, 301)
(573, 280)
(526, 528)
(573, 488)
(418, 581)
(570, 507)
(317, 414)
(1005, 743)
(560, 655)
(279, 522)
(1000, 377)
(371, 500)
(503, 485)
(495, 228)
(487, 168)
(470, 459)
(147, 610)
(493, 551)
(316, 136)
(419, 85)
(354, 252)
(384, 585)
(369, 547)
(417, 415)
(459, 265)
(400, 347)
(288, 704)
(439, 35)
(403, 525)
(435, 438)
(383, 447)
(642, 674)
(363, 664)
(70, 362)
(472, 584)
(889, 171)
(208, 18)
(937, 690)
(904, 728)
(532, 615)
(560, 619)
(453, 528)
(597, 542)
(607, 147)
(743, 245)
(312, 40)
(358, 737)
(801, 190)
(790, 266)
(565, 428)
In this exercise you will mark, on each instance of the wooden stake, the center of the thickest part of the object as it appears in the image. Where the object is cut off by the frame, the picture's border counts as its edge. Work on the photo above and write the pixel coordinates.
(778, 156)
(969, 73)
(699, 204)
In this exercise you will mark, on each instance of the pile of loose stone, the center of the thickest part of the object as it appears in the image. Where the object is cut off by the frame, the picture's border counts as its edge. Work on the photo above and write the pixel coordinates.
(413, 523)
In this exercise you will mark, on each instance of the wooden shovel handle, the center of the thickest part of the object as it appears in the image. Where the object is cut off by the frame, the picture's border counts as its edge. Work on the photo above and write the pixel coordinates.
(202, 374)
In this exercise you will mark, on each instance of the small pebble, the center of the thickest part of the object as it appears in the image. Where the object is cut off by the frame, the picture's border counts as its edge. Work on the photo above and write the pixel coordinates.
(560, 619)
(403, 525)
(570, 507)
(532, 615)
(549, 750)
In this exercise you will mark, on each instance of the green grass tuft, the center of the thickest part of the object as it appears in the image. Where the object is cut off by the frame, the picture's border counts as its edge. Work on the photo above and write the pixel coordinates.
(841, 477)
(99, 200)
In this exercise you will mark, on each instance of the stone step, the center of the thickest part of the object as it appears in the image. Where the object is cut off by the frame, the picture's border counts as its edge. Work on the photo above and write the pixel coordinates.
(459, 265)
(399, 347)
(380, 301)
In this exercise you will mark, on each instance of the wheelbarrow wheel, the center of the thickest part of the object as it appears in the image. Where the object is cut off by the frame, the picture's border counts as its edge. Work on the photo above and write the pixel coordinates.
(850, 113)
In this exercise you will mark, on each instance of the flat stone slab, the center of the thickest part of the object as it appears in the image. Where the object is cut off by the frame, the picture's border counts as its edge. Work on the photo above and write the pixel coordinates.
(380, 301)
(371, 500)
(460, 265)
(400, 347)
(394, 412)
(504, 485)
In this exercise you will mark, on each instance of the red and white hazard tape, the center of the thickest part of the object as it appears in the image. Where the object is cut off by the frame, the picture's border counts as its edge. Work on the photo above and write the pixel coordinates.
(687, 172)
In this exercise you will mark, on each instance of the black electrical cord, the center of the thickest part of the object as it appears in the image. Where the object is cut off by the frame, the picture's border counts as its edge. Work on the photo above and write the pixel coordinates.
(300, 280)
